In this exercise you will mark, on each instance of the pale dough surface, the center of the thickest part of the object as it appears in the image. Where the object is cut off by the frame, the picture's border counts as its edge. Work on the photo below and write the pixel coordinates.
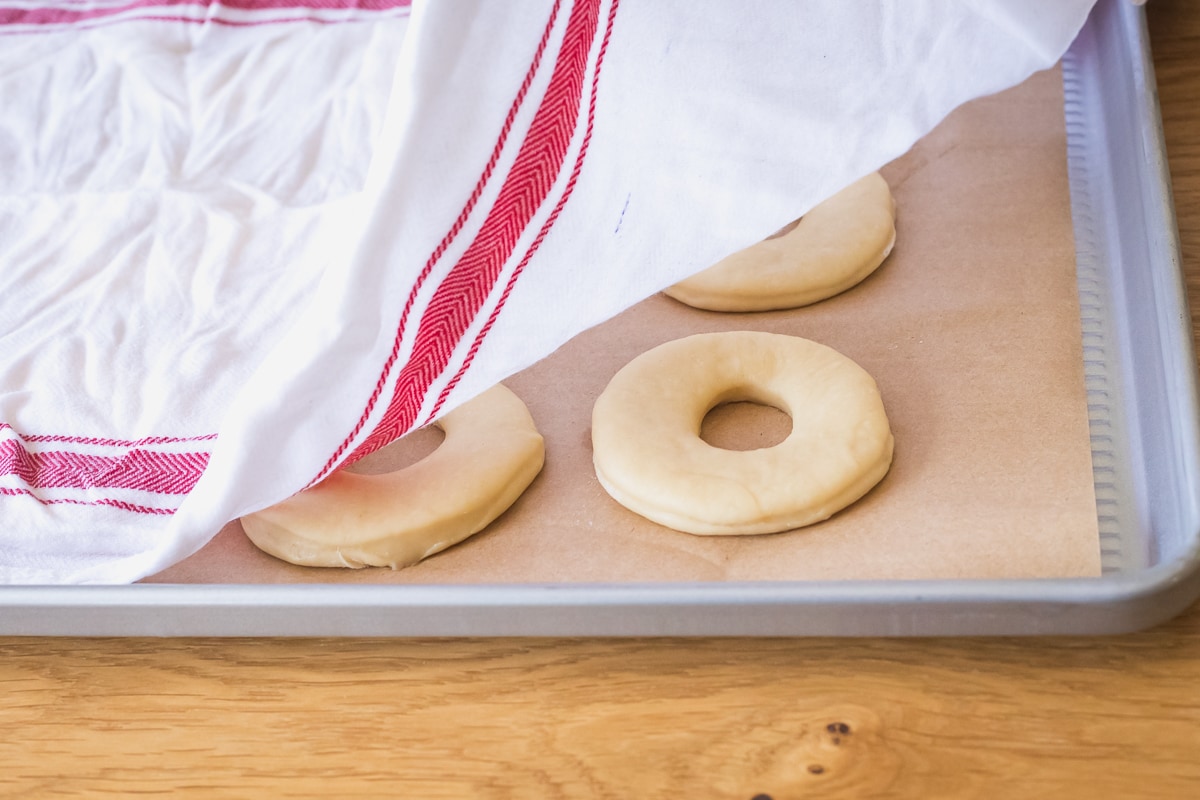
(491, 452)
(833, 247)
(649, 456)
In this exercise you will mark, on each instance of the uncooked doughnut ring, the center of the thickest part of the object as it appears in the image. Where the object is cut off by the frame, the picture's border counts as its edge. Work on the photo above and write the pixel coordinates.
(650, 458)
(490, 454)
(830, 249)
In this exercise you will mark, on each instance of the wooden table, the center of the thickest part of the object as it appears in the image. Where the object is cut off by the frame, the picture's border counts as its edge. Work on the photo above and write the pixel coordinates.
(739, 719)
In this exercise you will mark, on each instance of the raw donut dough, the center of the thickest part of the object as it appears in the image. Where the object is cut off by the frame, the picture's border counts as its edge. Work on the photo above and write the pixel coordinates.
(830, 249)
(490, 454)
(649, 456)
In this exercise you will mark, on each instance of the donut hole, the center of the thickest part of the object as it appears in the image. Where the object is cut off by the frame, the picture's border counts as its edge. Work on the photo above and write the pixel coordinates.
(745, 425)
(404, 452)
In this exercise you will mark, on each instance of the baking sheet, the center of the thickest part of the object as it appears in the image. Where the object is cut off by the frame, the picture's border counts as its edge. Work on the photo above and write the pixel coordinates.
(971, 329)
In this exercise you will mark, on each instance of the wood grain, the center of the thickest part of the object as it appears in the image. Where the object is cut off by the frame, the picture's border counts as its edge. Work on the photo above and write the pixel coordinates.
(1099, 718)
(605, 718)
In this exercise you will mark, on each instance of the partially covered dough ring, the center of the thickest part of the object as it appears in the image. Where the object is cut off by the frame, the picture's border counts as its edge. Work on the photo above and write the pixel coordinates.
(649, 456)
(830, 249)
(490, 454)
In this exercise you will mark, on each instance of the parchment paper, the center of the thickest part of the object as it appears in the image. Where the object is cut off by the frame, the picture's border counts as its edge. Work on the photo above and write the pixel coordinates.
(971, 328)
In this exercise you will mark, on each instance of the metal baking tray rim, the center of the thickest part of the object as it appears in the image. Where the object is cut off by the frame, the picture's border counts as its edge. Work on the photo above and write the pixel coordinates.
(1077, 606)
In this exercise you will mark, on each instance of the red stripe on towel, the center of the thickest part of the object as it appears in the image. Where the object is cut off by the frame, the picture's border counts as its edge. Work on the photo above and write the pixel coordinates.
(105, 442)
(143, 470)
(549, 223)
(450, 236)
(65, 16)
(461, 294)
(102, 501)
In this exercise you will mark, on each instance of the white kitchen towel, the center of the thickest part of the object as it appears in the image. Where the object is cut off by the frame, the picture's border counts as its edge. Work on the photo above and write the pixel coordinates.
(244, 242)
